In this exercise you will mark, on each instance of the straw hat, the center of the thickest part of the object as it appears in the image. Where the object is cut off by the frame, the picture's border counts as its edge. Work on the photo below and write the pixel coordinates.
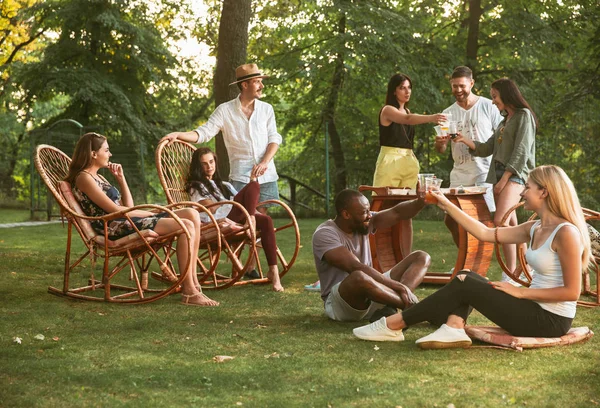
(246, 72)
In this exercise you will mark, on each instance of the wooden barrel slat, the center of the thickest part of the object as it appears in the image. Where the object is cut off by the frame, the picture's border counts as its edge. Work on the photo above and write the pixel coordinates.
(475, 255)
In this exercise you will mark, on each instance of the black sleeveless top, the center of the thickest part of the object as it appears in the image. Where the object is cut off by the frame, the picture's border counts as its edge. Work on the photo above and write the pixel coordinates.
(396, 135)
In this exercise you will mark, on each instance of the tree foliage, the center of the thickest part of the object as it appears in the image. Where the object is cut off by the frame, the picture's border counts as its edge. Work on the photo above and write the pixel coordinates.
(22, 37)
(111, 63)
(300, 42)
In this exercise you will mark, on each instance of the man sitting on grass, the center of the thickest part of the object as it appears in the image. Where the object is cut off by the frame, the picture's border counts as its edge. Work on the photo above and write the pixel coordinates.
(350, 287)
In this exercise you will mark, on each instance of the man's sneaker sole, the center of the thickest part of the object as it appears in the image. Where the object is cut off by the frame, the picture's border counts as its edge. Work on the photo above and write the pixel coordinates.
(380, 338)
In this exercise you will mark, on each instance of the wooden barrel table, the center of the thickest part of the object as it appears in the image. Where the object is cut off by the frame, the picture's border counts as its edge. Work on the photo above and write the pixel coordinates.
(386, 243)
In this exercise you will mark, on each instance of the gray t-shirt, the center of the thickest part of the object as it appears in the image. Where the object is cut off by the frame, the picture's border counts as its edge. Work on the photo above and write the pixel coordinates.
(329, 236)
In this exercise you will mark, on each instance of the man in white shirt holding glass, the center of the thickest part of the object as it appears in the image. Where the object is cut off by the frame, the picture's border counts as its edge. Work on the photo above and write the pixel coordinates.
(477, 119)
(249, 132)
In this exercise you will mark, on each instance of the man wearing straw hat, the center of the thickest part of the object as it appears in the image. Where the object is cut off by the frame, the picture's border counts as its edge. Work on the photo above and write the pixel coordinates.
(249, 132)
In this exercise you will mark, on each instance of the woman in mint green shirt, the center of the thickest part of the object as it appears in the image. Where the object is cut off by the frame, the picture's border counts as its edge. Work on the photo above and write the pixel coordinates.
(513, 154)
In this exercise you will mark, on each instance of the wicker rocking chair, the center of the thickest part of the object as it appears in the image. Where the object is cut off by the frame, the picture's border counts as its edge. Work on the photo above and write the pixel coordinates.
(239, 242)
(133, 253)
(522, 274)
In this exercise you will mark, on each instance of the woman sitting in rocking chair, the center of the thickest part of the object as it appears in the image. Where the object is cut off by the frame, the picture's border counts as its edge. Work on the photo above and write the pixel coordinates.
(205, 186)
(98, 198)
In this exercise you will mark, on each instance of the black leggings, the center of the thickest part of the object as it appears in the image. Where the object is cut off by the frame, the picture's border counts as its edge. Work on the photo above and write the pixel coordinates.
(520, 317)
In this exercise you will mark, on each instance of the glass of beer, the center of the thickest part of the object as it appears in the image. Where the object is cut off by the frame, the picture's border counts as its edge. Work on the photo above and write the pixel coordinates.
(445, 125)
(431, 183)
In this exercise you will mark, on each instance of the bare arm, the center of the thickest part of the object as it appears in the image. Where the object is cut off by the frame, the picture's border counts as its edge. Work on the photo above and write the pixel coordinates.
(207, 202)
(191, 136)
(260, 168)
(441, 143)
(392, 114)
(345, 260)
(87, 185)
(117, 171)
(505, 235)
(567, 244)
(401, 211)
(468, 142)
(499, 186)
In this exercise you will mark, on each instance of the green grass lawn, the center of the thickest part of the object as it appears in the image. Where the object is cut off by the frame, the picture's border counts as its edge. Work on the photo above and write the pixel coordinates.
(18, 215)
(286, 353)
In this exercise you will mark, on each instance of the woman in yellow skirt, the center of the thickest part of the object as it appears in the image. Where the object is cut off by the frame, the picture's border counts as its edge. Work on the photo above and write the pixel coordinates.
(397, 165)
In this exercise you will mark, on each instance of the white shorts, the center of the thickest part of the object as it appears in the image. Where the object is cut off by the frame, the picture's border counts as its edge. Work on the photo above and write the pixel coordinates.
(336, 308)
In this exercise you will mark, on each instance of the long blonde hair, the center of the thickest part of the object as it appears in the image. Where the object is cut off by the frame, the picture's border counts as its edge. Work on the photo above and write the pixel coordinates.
(563, 202)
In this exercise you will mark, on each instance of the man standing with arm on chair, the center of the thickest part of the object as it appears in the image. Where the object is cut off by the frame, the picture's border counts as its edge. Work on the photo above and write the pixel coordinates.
(477, 119)
(249, 132)
(250, 136)
(350, 287)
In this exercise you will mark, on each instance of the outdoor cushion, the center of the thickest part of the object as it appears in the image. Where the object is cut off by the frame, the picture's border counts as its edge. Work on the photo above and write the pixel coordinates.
(500, 337)
(122, 244)
(594, 240)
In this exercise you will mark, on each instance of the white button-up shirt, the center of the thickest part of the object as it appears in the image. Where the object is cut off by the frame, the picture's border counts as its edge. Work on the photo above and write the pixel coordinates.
(246, 139)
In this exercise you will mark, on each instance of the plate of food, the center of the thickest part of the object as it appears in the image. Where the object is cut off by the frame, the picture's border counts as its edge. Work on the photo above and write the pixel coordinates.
(401, 191)
(475, 189)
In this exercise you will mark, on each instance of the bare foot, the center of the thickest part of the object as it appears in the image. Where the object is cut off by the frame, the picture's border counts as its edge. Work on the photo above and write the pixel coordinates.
(273, 276)
(198, 299)
(229, 225)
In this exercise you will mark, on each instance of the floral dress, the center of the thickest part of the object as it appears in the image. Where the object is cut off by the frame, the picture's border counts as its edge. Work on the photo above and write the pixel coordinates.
(119, 227)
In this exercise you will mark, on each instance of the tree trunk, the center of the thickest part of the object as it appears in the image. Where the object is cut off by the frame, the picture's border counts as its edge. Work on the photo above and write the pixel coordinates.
(340, 179)
(231, 53)
(475, 12)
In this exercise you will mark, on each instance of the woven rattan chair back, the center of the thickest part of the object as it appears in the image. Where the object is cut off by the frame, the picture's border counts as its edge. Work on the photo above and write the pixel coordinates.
(135, 252)
(172, 162)
(523, 273)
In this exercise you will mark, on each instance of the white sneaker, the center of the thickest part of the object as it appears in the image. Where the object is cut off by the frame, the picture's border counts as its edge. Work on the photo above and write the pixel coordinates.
(445, 337)
(378, 331)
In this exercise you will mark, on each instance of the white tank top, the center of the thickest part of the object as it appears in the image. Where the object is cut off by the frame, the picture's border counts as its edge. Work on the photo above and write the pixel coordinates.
(547, 272)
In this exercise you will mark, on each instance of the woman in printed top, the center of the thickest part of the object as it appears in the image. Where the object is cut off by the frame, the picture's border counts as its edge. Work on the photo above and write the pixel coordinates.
(512, 148)
(397, 165)
(98, 198)
(559, 249)
(205, 186)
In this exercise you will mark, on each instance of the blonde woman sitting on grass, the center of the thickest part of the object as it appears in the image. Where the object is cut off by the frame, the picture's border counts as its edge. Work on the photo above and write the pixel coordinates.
(559, 249)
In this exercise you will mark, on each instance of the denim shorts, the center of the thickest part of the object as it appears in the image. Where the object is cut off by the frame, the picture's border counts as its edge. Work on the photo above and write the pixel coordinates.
(268, 191)
(501, 168)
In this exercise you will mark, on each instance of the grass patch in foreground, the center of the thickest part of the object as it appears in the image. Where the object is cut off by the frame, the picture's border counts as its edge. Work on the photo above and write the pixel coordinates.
(286, 353)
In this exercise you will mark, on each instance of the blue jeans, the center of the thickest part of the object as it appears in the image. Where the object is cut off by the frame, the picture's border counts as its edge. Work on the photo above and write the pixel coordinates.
(501, 168)
(268, 191)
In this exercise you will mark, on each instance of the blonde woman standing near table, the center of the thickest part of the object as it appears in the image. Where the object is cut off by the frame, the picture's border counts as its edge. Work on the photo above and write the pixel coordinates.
(513, 155)
(397, 165)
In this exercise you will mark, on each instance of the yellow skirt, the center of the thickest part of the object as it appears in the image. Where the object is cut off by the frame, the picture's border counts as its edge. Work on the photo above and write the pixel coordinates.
(396, 167)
